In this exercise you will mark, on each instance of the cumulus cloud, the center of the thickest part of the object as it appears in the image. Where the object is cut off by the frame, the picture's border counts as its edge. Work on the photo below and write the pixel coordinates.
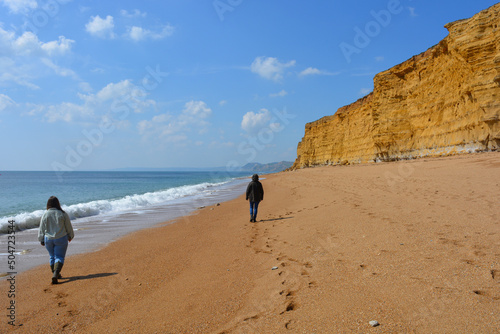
(67, 112)
(175, 128)
(123, 93)
(20, 6)
(59, 47)
(198, 109)
(194, 114)
(282, 93)
(138, 33)
(315, 71)
(113, 102)
(103, 28)
(254, 121)
(134, 14)
(24, 58)
(270, 68)
(29, 44)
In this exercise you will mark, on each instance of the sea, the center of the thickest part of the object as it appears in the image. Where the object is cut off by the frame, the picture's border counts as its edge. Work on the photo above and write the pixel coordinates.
(102, 205)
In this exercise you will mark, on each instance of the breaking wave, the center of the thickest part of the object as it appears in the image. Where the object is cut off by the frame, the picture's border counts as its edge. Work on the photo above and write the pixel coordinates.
(29, 220)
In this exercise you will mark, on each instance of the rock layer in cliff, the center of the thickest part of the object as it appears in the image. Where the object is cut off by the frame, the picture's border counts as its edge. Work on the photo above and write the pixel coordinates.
(444, 101)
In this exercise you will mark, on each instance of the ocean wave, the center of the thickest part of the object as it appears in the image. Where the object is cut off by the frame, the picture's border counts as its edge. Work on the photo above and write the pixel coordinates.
(29, 220)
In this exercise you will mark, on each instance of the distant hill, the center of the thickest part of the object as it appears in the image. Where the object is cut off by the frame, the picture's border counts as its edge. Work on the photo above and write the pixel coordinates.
(253, 167)
(272, 167)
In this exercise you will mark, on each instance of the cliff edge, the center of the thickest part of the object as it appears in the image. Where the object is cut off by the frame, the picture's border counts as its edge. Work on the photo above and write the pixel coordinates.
(444, 101)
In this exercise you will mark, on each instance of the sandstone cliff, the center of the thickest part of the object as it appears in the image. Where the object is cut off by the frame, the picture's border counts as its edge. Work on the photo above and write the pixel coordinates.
(444, 101)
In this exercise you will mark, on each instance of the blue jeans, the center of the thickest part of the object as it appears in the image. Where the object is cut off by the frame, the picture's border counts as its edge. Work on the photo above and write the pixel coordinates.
(57, 249)
(253, 209)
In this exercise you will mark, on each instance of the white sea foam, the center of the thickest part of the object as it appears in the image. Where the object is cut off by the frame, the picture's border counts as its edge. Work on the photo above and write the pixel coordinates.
(28, 220)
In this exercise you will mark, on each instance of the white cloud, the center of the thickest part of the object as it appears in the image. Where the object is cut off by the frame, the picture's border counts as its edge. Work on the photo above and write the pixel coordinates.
(29, 44)
(124, 93)
(25, 58)
(198, 109)
(138, 33)
(100, 27)
(5, 102)
(59, 47)
(310, 71)
(135, 13)
(85, 86)
(364, 91)
(379, 58)
(282, 93)
(315, 71)
(18, 76)
(67, 112)
(194, 114)
(252, 122)
(175, 128)
(61, 71)
(270, 68)
(161, 125)
(222, 103)
(20, 6)
(412, 11)
(113, 102)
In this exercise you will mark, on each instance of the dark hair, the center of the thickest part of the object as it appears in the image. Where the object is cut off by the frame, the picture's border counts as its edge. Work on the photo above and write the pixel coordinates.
(53, 202)
(255, 177)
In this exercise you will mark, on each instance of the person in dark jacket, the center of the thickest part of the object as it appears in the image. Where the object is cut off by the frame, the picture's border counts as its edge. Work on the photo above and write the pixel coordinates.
(255, 194)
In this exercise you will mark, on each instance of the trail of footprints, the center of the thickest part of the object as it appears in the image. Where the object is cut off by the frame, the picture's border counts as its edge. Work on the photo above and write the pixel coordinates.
(60, 298)
(293, 273)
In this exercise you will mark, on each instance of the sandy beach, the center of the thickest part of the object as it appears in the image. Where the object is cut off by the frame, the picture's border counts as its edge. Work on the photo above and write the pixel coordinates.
(413, 245)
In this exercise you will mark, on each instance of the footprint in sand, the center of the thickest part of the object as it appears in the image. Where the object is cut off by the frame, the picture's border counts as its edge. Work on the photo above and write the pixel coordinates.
(61, 295)
(494, 273)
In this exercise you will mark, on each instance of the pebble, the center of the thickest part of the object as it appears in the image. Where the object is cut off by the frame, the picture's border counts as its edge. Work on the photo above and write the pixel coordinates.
(374, 323)
(274, 268)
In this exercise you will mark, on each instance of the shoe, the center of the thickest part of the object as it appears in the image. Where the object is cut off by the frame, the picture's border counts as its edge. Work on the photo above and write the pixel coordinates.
(57, 272)
(52, 270)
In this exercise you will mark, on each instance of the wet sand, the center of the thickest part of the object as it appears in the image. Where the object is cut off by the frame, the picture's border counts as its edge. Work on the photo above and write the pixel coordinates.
(414, 245)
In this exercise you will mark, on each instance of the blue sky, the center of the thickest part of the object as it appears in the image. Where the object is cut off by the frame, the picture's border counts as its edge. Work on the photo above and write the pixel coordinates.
(88, 85)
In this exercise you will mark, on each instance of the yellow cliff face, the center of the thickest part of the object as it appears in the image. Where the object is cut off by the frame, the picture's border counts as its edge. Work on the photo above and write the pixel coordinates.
(444, 101)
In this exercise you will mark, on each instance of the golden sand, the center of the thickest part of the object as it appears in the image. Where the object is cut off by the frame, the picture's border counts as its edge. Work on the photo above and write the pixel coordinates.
(414, 245)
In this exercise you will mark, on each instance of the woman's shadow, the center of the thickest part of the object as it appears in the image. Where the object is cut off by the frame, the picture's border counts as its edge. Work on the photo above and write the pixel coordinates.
(64, 280)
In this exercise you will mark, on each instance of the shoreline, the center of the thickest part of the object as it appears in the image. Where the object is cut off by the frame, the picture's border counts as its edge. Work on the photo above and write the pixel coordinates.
(411, 244)
(95, 232)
